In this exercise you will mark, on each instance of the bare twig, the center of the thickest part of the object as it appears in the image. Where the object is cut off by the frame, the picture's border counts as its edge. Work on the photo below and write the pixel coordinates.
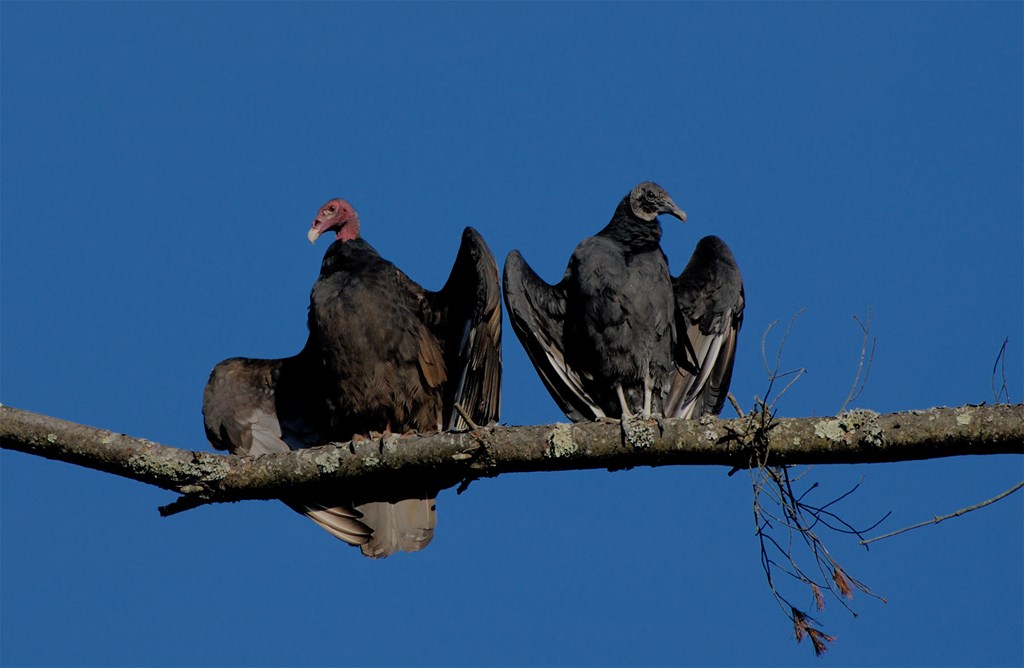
(773, 371)
(1002, 395)
(735, 405)
(465, 416)
(798, 519)
(779, 510)
(936, 520)
(858, 382)
(773, 487)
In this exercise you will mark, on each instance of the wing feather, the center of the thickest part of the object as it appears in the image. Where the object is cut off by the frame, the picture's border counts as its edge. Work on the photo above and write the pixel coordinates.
(465, 315)
(240, 410)
(709, 313)
(537, 313)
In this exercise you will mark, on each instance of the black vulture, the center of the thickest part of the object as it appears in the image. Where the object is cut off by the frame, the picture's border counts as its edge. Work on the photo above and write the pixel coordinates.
(618, 335)
(383, 355)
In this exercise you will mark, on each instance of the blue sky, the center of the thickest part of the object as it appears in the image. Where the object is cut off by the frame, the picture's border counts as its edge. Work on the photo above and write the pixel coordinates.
(161, 163)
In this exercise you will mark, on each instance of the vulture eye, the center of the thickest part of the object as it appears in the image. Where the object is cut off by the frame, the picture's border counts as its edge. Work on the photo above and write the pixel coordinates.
(649, 194)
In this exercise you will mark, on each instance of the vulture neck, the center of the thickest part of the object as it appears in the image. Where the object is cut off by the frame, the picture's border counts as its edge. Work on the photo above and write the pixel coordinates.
(350, 230)
(635, 233)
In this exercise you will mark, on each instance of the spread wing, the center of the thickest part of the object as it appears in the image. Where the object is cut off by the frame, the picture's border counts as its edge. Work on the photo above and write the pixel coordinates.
(709, 313)
(465, 316)
(255, 407)
(537, 311)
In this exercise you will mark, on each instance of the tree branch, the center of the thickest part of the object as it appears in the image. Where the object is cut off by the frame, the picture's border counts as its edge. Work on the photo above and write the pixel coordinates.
(943, 518)
(853, 437)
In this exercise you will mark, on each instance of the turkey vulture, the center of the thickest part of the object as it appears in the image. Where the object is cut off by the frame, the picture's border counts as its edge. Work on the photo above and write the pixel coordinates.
(618, 335)
(383, 355)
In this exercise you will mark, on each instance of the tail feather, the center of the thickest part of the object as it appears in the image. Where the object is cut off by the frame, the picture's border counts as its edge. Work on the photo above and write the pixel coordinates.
(342, 522)
(406, 525)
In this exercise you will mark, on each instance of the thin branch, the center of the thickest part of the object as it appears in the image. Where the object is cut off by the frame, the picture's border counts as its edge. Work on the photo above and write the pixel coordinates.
(860, 383)
(773, 372)
(735, 405)
(1001, 395)
(794, 515)
(465, 416)
(936, 520)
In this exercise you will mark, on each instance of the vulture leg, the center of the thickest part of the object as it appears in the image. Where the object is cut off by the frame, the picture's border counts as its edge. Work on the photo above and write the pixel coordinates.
(648, 391)
(626, 413)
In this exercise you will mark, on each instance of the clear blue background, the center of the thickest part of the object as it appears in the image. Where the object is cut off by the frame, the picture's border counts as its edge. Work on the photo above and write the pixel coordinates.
(162, 162)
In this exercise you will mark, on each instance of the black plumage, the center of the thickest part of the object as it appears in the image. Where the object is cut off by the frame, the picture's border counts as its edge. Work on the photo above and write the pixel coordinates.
(383, 355)
(618, 335)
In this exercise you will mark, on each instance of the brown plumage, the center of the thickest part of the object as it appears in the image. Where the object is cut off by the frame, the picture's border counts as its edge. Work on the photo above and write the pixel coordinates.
(383, 355)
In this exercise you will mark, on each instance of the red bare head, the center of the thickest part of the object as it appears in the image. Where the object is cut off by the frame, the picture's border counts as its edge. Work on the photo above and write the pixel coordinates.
(337, 215)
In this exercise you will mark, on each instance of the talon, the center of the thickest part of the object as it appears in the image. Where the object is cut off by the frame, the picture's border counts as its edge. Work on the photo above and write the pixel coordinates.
(660, 421)
(624, 427)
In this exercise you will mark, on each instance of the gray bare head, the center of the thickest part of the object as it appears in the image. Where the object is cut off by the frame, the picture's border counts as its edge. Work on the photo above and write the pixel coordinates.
(648, 200)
